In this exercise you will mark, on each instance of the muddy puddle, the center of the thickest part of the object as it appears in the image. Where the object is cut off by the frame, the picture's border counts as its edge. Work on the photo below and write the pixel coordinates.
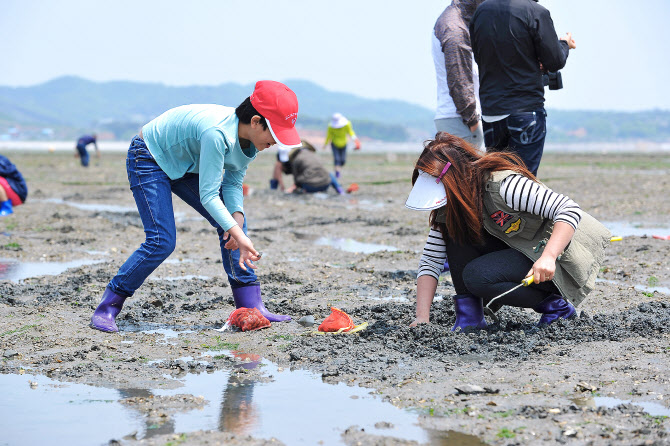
(637, 286)
(629, 229)
(223, 400)
(651, 408)
(185, 277)
(16, 271)
(93, 207)
(159, 329)
(351, 245)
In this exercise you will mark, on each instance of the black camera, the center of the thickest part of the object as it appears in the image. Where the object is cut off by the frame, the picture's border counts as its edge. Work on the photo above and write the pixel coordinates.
(552, 79)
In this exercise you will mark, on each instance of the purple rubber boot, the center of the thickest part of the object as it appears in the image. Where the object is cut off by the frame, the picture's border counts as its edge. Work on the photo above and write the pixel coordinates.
(250, 297)
(554, 307)
(469, 312)
(103, 318)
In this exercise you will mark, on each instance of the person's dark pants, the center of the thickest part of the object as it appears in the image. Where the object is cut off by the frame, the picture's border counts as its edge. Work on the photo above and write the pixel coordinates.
(152, 190)
(83, 155)
(339, 155)
(521, 133)
(491, 268)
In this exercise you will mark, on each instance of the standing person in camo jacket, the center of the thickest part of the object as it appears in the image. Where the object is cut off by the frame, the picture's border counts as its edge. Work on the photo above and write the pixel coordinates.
(458, 110)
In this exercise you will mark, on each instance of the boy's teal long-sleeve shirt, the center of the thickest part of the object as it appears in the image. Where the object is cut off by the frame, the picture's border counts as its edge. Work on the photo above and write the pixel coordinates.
(203, 139)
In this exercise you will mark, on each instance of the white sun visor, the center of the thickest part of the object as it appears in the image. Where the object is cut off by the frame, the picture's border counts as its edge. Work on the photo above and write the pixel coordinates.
(427, 194)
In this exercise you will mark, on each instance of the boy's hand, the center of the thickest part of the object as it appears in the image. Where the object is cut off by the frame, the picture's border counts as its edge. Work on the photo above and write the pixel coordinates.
(239, 240)
(231, 243)
(248, 253)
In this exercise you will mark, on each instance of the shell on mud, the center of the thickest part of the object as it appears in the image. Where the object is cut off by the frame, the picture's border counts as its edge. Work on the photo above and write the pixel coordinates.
(306, 321)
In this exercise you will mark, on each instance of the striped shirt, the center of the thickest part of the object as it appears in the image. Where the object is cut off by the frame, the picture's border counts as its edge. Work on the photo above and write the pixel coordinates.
(521, 194)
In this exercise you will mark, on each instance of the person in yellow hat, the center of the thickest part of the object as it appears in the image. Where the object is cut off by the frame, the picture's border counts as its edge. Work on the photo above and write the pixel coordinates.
(339, 129)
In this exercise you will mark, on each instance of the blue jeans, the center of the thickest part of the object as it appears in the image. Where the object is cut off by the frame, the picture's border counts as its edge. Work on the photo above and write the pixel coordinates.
(152, 190)
(83, 155)
(339, 155)
(521, 133)
(333, 182)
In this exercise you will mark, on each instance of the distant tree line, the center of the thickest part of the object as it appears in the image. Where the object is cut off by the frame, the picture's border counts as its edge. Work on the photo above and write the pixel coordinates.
(592, 126)
(67, 106)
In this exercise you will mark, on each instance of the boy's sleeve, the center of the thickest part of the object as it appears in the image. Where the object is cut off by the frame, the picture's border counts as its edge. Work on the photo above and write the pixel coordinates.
(232, 190)
(212, 153)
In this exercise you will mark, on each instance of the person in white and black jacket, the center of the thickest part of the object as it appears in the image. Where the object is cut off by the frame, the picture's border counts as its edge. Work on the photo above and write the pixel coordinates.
(514, 43)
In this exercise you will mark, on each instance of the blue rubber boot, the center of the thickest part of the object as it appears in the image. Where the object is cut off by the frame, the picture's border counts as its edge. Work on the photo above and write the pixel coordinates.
(469, 312)
(6, 208)
(553, 308)
(104, 317)
(250, 297)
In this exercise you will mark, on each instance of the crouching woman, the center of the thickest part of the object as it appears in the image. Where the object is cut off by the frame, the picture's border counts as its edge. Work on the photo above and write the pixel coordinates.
(498, 225)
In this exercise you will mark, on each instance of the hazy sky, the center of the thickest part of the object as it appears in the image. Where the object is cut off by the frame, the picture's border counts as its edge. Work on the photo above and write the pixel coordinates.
(372, 48)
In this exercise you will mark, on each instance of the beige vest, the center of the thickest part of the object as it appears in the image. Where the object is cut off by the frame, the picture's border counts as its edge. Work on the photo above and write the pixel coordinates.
(576, 267)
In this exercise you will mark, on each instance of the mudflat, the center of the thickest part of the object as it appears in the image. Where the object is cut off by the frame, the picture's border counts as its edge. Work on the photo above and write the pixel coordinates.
(601, 378)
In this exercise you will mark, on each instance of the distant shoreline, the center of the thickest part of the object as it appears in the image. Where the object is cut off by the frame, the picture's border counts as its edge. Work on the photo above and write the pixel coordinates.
(369, 147)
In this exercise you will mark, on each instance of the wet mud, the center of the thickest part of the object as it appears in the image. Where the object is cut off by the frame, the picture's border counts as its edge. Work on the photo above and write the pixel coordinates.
(511, 383)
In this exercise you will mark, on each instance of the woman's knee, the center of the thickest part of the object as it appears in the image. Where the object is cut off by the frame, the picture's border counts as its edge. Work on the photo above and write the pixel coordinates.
(474, 279)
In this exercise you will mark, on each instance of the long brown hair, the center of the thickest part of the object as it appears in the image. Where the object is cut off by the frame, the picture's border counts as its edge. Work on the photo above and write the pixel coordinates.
(464, 182)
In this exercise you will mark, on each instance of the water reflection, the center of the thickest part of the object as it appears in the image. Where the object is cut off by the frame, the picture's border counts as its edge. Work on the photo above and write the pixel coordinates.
(152, 427)
(453, 438)
(239, 413)
(295, 407)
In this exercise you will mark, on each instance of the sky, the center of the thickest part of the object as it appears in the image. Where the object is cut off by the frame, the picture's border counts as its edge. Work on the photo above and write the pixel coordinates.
(372, 48)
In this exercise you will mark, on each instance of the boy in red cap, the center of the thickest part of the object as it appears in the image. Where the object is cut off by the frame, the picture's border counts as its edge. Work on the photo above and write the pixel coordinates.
(201, 154)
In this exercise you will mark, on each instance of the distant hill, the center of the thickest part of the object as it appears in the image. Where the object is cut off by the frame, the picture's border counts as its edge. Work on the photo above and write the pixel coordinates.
(67, 106)
(118, 107)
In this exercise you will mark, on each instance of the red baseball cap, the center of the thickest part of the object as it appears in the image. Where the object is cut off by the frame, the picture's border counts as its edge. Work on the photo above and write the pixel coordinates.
(279, 106)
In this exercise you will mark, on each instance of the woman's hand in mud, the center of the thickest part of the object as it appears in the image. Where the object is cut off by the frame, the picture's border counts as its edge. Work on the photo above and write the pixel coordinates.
(543, 269)
(419, 320)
